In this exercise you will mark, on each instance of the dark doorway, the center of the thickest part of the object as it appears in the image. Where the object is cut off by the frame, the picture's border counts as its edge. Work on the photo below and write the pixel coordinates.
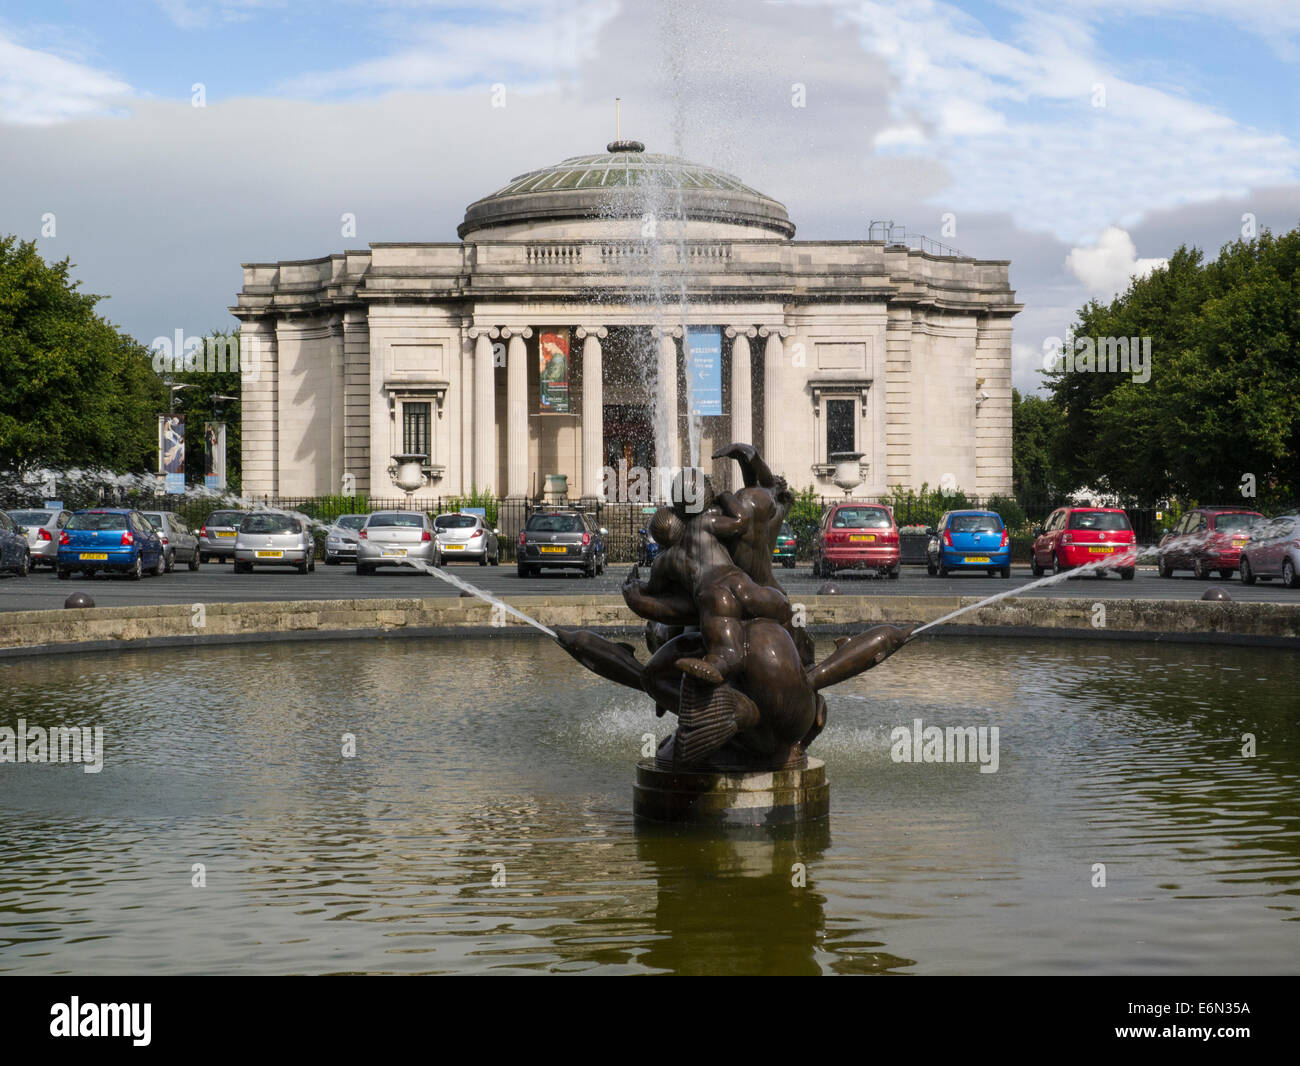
(629, 435)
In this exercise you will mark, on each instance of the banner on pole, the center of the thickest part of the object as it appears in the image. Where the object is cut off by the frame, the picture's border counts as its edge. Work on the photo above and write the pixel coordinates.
(214, 471)
(553, 371)
(704, 360)
(171, 451)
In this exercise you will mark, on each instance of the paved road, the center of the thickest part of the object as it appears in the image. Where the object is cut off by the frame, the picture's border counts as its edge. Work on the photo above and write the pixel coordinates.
(217, 583)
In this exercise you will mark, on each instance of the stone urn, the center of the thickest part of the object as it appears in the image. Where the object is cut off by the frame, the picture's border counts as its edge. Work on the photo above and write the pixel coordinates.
(557, 488)
(848, 470)
(407, 471)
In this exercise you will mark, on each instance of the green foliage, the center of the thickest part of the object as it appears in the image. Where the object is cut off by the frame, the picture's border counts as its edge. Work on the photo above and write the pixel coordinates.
(328, 508)
(73, 388)
(1036, 427)
(804, 516)
(926, 507)
(198, 405)
(1013, 515)
(486, 500)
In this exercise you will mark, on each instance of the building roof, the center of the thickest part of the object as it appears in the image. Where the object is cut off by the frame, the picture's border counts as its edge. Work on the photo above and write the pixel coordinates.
(625, 181)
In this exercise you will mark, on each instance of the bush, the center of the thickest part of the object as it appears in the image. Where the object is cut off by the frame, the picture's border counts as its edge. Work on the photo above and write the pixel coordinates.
(486, 500)
(804, 516)
(328, 508)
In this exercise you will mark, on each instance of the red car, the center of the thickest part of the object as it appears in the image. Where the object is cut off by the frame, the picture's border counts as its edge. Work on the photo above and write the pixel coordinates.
(1073, 536)
(861, 536)
(1206, 539)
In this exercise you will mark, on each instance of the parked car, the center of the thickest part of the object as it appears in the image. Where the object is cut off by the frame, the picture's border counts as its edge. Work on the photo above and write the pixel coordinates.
(561, 539)
(110, 538)
(273, 538)
(43, 529)
(786, 544)
(218, 533)
(341, 539)
(465, 536)
(1273, 551)
(969, 540)
(647, 548)
(856, 536)
(394, 538)
(1206, 539)
(15, 552)
(178, 541)
(1075, 536)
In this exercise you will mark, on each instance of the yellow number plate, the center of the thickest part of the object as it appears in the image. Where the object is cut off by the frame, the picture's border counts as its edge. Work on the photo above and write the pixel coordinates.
(94, 555)
(1239, 542)
(222, 533)
(976, 559)
(394, 551)
(1101, 551)
(270, 555)
(544, 548)
(860, 539)
(453, 547)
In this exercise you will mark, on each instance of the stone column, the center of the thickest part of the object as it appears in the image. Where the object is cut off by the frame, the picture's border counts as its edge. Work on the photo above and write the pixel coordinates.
(593, 412)
(742, 402)
(773, 413)
(356, 398)
(517, 411)
(259, 409)
(668, 400)
(485, 430)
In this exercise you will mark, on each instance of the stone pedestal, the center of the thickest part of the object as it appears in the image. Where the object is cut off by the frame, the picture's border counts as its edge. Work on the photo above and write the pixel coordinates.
(736, 798)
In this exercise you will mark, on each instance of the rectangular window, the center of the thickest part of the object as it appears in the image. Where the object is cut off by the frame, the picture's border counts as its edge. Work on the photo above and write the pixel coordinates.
(840, 435)
(415, 429)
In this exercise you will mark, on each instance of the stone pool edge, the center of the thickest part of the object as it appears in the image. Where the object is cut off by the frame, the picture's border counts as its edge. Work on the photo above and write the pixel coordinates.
(98, 629)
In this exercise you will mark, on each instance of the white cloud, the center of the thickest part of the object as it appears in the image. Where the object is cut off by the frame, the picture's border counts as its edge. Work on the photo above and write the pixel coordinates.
(39, 88)
(1106, 267)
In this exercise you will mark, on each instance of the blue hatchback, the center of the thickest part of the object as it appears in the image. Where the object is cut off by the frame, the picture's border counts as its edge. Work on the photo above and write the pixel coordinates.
(110, 538)
(969, 540)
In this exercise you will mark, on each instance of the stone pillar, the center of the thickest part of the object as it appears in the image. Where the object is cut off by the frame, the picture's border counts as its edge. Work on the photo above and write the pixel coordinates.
(259, 408)
(742, 402)
(485, 430)
(356, 398)
(993, 416)
(517, 411)
(899, 332)
(773, 414)
(593, 412)
(668, 400)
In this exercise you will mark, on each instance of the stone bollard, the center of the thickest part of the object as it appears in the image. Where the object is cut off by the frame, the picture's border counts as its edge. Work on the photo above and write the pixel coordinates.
(1216, 593)
(829, 589)
(78, 599)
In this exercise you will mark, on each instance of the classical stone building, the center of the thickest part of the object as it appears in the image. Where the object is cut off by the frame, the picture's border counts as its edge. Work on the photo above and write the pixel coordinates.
(589, 309)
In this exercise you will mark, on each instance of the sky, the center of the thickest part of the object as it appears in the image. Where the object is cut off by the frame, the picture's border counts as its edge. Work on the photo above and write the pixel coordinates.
(159, 144)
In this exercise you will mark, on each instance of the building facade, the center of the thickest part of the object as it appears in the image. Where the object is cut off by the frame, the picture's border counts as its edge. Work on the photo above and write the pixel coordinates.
(589, 311)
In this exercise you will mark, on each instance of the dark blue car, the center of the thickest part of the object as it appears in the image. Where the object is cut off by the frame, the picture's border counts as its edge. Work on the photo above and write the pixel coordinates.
(969, 540)
(110, 538)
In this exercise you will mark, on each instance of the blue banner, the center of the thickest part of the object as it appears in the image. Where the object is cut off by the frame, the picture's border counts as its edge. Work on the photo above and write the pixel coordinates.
(704, 362)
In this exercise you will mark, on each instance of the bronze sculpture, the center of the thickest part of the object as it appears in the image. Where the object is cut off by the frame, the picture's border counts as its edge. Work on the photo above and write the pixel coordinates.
(726, 657)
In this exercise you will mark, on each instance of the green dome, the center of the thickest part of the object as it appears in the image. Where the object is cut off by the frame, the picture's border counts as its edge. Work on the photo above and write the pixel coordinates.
(606, 186)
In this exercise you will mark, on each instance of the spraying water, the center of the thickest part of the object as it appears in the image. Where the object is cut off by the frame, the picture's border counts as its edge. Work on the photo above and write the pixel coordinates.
(474, 590)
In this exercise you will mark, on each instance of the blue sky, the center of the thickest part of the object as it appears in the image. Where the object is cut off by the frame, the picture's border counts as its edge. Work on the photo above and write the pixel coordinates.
(380, 107)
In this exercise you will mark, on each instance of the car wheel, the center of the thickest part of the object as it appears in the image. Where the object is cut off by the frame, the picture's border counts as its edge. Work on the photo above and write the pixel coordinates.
(63, 572)
(136, 571)
(1162, 564)
(169, 565)
(194, 561)
(1005, 571)
(302, 567)
(1128, 572)
(789, 563)
(1034, 568)
(1247, 574)
(161, 567)
(496, 559)
(522, 571)
(943, 570)
(817, 567)
(930, 568)
(482, 561)
(1198, 569)
(1057, 568)
(590, 569)
(1226, 575)
(1289, 576)
(312, 565)
(892, 572)
(204, 558)
(26, 566)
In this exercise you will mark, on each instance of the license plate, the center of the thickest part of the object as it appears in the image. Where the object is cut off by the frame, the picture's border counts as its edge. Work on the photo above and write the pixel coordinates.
(1239, 543)
(776, 551)
(221, 534)
(394, 551)
(976, 559)
(1101, 551)
(545, 548)
(857, 538)
(94, 555)
(453, 547)
(270, 555)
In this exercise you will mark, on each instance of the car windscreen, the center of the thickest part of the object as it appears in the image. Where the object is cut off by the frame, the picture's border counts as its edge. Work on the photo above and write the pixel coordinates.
(975, 523)
(1106, 520)
(155, 519)
(352, 521)
(554, 523)
(225, 518)
(31, 518)
(1225, 523)
(455, 521)
(270, 523)
(860, 518)
(98, 521)
(786, 531)
(396, 520)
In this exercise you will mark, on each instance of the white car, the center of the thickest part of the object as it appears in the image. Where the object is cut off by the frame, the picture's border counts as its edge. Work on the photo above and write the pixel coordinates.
(465, 536)
(273, 538)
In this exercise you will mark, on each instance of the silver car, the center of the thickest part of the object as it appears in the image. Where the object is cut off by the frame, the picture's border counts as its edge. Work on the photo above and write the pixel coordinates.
(1273, 551)
(43, 529)
(465, 536)
(273, 538)
(341, 539)
(217, 535)
(394, 538)
(178, 541)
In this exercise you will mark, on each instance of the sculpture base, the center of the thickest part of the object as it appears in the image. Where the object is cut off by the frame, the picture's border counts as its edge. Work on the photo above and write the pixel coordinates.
(712, 797)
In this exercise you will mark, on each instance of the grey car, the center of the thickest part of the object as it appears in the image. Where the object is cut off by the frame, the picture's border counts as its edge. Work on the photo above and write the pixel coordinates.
(341, 539)
(43, 529)
(218, 533)
(273, 538)
(555, 539)
(1273, 551)
(15, 556)
(394, 538)
(178, 542)
(465, 536)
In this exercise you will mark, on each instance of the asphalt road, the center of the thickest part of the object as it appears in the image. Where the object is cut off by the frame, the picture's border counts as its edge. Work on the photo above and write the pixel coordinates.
(217, 583)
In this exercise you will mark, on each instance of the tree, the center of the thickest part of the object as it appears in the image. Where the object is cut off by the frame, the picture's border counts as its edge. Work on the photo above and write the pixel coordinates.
(198, 405)
(1036, 425)
(73, 388)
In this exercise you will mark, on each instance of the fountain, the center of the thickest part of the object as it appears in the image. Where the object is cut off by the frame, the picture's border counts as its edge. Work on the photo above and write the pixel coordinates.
(728, 659)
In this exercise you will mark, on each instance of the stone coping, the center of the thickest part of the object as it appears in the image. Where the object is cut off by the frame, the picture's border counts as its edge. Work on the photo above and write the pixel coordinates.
(99, 628)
